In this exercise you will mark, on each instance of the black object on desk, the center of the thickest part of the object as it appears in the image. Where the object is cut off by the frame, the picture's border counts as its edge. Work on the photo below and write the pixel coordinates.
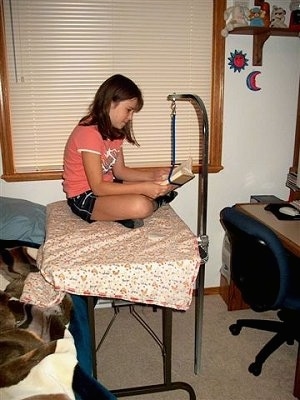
(265, 198)
(275, 209)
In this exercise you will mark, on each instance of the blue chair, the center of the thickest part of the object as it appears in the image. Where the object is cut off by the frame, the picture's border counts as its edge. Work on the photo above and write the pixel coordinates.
(268, 277)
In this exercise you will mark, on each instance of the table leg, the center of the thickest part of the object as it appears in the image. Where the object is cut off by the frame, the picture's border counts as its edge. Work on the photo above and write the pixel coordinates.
(199, 306)
(167, 385)
(167, 342)
(167, 317)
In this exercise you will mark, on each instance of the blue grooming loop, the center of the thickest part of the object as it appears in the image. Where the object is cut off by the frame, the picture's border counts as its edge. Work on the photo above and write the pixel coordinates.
(173, 138)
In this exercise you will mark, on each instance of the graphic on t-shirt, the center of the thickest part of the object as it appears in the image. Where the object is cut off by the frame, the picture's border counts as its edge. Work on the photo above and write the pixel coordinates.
(109, 159)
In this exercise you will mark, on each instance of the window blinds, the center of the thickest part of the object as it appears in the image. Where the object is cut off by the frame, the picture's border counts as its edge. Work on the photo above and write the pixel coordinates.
(59, 52)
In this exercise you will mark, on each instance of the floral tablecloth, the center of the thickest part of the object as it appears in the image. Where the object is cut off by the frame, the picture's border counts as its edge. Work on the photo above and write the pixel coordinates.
(156, 264)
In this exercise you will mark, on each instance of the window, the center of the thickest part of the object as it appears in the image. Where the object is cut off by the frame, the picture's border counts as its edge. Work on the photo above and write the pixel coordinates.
(57, 54)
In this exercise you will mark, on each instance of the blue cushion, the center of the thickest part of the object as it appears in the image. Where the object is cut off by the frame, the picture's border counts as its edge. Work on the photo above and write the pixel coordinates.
(22, 220)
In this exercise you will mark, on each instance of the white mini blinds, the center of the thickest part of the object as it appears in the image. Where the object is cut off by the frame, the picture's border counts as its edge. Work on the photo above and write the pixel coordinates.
(59, 52)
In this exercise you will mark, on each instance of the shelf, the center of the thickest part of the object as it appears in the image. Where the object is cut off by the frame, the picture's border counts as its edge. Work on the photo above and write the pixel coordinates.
(260, 35)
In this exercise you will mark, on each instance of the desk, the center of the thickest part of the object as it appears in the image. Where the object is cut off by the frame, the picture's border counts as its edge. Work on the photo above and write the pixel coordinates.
(289, 234)
(287, 231)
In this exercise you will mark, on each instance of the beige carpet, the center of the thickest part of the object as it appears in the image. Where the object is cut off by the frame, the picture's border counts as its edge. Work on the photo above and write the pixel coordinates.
(130, 357)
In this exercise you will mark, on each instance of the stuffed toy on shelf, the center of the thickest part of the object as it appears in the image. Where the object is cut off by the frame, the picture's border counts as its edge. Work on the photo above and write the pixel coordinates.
(235, 16)
(257, 17)
(278, 17)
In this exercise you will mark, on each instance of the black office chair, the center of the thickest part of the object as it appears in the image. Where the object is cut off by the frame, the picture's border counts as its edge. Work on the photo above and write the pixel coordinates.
(268, 277)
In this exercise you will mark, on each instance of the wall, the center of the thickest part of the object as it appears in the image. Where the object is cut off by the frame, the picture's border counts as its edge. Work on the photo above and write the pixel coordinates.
(258, 140)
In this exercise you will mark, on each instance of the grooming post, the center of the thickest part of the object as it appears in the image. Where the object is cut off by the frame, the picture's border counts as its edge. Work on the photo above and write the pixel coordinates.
(202, 217)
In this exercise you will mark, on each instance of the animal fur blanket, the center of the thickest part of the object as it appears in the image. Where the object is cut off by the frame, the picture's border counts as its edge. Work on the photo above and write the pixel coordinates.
(37, 352)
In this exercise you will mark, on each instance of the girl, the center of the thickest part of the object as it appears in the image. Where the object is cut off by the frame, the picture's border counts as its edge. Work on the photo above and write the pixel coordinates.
(98, 184)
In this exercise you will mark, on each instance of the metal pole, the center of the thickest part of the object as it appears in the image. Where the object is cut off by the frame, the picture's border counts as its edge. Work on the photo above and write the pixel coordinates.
(201, 221)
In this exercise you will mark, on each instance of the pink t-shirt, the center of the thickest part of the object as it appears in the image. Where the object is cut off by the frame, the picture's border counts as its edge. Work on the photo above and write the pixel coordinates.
(87, 138)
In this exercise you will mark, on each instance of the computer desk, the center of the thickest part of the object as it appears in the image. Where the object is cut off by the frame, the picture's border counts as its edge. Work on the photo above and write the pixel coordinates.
(289, 234)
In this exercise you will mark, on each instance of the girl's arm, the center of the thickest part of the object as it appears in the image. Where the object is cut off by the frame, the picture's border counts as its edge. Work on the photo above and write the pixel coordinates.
(93, 169)
(128, 174)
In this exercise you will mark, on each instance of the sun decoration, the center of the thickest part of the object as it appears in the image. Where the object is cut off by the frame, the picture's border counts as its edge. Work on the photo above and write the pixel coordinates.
(237, 60)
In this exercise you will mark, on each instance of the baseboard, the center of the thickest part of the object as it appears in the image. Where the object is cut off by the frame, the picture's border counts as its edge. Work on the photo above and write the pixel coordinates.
(234, 301)
(208, 291)
(212, 290)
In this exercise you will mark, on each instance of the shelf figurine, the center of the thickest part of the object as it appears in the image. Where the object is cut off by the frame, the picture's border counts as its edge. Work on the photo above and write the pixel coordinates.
(235, 16)
(278, 17)
(295, 15)
(257, 17)
(265, 6)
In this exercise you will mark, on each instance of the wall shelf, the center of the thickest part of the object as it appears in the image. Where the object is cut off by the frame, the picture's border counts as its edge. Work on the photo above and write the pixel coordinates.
(260, 35)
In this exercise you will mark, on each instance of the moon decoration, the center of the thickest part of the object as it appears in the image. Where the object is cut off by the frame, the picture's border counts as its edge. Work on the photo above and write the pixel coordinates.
(237, 60)
(251, 81)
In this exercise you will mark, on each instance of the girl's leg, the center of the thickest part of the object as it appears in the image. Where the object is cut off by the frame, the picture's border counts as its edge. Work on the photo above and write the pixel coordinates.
(122, 207)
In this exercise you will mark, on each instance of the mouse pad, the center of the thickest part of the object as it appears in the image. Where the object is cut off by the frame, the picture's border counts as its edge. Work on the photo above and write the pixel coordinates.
(274, 208)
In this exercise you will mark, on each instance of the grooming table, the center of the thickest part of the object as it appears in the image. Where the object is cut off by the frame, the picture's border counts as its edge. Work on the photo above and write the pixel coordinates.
(157, 264)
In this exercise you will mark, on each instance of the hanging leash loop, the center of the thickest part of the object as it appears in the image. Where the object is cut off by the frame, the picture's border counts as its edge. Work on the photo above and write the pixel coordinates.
(173, 132)
(173, 139)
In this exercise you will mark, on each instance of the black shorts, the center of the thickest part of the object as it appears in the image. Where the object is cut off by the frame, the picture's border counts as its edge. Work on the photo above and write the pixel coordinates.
(83, 205)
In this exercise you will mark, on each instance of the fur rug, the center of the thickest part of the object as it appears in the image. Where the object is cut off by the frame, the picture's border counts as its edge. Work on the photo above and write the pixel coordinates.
(37, 352)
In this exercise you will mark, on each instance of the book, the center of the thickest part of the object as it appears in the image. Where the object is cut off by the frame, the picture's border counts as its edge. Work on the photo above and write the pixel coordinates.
(181, 174)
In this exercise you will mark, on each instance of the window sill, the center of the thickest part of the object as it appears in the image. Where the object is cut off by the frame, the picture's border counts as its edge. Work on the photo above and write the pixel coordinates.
(57, 175)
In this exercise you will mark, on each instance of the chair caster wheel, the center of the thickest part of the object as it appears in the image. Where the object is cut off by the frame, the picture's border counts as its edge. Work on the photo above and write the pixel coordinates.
(235, 329)
(255, 369)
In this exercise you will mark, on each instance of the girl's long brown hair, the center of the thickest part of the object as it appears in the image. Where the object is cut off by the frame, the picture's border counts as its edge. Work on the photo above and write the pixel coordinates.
(115, 89)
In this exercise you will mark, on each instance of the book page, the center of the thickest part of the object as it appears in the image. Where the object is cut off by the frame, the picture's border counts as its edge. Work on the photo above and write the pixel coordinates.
(181, 174)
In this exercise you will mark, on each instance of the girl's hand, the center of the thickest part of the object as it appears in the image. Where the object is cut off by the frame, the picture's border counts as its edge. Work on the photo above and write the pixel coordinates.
(161, 174)
(155, 189)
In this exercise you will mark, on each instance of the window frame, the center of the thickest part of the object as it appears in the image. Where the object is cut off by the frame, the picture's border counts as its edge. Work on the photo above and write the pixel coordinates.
(216, 115)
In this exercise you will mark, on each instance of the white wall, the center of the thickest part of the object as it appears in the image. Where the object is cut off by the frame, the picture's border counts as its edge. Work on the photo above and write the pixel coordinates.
(258, 140)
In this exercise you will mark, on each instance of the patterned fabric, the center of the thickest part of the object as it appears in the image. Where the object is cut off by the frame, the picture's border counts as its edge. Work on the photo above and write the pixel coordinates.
(156, 264)
(35, 346)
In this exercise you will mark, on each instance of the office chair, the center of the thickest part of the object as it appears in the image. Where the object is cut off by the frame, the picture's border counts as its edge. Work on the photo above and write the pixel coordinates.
(268, 278)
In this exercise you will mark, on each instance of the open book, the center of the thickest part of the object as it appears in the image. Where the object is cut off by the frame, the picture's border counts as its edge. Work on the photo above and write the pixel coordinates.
(182, 173)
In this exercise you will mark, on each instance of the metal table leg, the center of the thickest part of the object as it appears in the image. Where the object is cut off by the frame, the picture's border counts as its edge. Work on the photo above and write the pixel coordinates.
(199, 305)
(167, 384)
